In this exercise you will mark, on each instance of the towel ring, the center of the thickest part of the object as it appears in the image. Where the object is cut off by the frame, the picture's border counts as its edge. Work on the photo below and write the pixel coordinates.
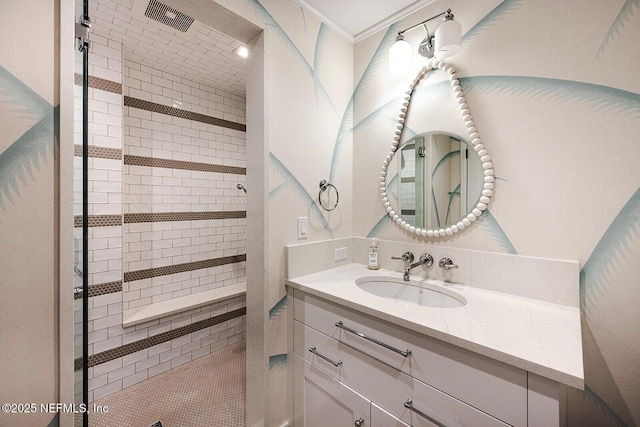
(323, 186)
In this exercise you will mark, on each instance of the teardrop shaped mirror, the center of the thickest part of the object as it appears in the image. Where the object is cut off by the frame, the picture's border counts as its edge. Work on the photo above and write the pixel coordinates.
(436, 183)
(435, 179)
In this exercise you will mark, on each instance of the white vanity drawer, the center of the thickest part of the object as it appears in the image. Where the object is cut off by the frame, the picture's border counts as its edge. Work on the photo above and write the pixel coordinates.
(385, 385)
(483, 383)
(320, 400)
(381, 418)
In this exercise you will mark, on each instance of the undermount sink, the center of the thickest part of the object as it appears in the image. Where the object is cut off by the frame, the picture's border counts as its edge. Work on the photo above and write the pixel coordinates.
(426, 294)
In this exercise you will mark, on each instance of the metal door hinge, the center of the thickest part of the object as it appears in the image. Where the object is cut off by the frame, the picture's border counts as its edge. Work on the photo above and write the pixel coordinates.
(82, 34)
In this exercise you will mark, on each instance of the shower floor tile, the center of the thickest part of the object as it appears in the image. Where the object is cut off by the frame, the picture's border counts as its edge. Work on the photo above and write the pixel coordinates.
(209, 391)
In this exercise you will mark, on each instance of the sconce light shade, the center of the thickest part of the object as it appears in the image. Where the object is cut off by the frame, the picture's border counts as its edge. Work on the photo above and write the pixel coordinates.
(448, 39)
(400, 56)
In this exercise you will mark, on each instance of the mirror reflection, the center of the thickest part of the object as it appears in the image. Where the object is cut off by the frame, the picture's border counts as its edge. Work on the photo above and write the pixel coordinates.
(435, 178)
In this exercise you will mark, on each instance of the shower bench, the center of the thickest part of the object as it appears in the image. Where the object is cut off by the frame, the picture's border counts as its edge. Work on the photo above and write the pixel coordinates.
(161, 309)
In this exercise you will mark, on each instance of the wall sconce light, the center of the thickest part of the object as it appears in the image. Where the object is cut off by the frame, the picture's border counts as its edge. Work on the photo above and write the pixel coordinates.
(446, 42)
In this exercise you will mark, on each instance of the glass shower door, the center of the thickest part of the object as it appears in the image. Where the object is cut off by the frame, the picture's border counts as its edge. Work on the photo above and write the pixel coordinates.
(80, 237)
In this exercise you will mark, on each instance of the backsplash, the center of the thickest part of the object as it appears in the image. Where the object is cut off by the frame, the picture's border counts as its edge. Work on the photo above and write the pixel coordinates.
(554, 281)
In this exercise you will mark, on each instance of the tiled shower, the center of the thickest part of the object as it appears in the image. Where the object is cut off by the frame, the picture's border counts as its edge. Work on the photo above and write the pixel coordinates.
(166, 218)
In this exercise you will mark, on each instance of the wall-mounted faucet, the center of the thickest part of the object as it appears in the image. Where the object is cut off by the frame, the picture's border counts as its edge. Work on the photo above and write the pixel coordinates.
(425, 260)
(446, 263)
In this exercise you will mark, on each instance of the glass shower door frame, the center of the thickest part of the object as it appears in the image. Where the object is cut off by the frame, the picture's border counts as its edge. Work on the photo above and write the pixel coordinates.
(83, 23)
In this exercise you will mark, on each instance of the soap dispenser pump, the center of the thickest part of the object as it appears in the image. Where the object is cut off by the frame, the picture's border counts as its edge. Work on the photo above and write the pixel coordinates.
(374, 263)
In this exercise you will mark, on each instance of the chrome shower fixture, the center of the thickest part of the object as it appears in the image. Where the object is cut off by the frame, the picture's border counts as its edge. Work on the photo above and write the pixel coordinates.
(241, 187)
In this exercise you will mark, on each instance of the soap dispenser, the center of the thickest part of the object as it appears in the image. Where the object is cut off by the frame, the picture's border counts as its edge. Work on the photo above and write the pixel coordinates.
(374, 263)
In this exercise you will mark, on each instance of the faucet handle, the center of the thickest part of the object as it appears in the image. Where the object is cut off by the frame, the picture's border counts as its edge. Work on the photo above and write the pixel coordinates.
(406, 257)
(426, 259)
(446, 263)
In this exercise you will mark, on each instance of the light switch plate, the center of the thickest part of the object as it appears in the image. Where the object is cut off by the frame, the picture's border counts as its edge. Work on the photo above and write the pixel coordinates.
(303, 226)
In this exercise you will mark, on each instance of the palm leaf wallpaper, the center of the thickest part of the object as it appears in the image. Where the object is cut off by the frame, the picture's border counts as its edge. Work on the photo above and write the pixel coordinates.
(278, 308)
(269, 22)
(622, 20)
(25, 102)
(603, 99)
(318, 59)
(278, 362)
(365, 81)
(29, 138)
(498, 14)
(612, 251)
(21, 158)
(590, 397)
(295, 187)
(496, 233)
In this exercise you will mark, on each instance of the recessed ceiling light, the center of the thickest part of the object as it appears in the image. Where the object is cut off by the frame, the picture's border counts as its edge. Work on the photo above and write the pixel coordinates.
(242, 51)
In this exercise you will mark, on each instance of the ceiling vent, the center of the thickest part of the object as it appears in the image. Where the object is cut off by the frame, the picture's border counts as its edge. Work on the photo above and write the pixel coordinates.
(161, 13)
(168, 16)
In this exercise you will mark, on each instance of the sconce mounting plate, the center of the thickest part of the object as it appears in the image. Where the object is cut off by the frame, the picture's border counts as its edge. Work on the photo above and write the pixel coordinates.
(426, 47)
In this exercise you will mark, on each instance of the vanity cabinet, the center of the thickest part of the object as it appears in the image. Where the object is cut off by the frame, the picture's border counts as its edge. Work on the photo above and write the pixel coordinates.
(351, 365)
(320, 400)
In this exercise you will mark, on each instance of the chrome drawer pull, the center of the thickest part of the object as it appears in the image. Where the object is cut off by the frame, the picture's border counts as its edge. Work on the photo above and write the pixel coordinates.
(409, 405)
(322, 356)
(340, 325)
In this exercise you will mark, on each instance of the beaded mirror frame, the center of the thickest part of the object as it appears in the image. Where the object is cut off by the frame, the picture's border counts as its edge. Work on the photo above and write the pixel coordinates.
(476, 143)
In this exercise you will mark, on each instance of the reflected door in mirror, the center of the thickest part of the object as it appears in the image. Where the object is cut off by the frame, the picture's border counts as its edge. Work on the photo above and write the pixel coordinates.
(440, 178)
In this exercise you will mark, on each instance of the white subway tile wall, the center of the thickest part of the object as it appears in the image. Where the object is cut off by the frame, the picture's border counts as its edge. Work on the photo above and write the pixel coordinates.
(153, 85)
(204, 54)
(105, 198)
(105, 175)
(158, 189)
(107, 334)
(116, 188)
(105, 59)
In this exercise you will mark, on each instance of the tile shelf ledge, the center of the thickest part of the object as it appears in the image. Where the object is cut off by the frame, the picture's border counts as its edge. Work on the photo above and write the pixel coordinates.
(166, 308)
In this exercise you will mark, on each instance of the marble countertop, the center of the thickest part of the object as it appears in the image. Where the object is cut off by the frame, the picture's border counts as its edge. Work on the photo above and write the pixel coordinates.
(536, 336)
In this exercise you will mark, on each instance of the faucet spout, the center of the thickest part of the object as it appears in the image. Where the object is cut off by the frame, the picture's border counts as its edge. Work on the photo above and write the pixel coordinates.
(408, 269)
(425, 259)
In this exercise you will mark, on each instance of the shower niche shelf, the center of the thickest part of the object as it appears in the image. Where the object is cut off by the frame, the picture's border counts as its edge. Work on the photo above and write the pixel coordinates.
(177, 305)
